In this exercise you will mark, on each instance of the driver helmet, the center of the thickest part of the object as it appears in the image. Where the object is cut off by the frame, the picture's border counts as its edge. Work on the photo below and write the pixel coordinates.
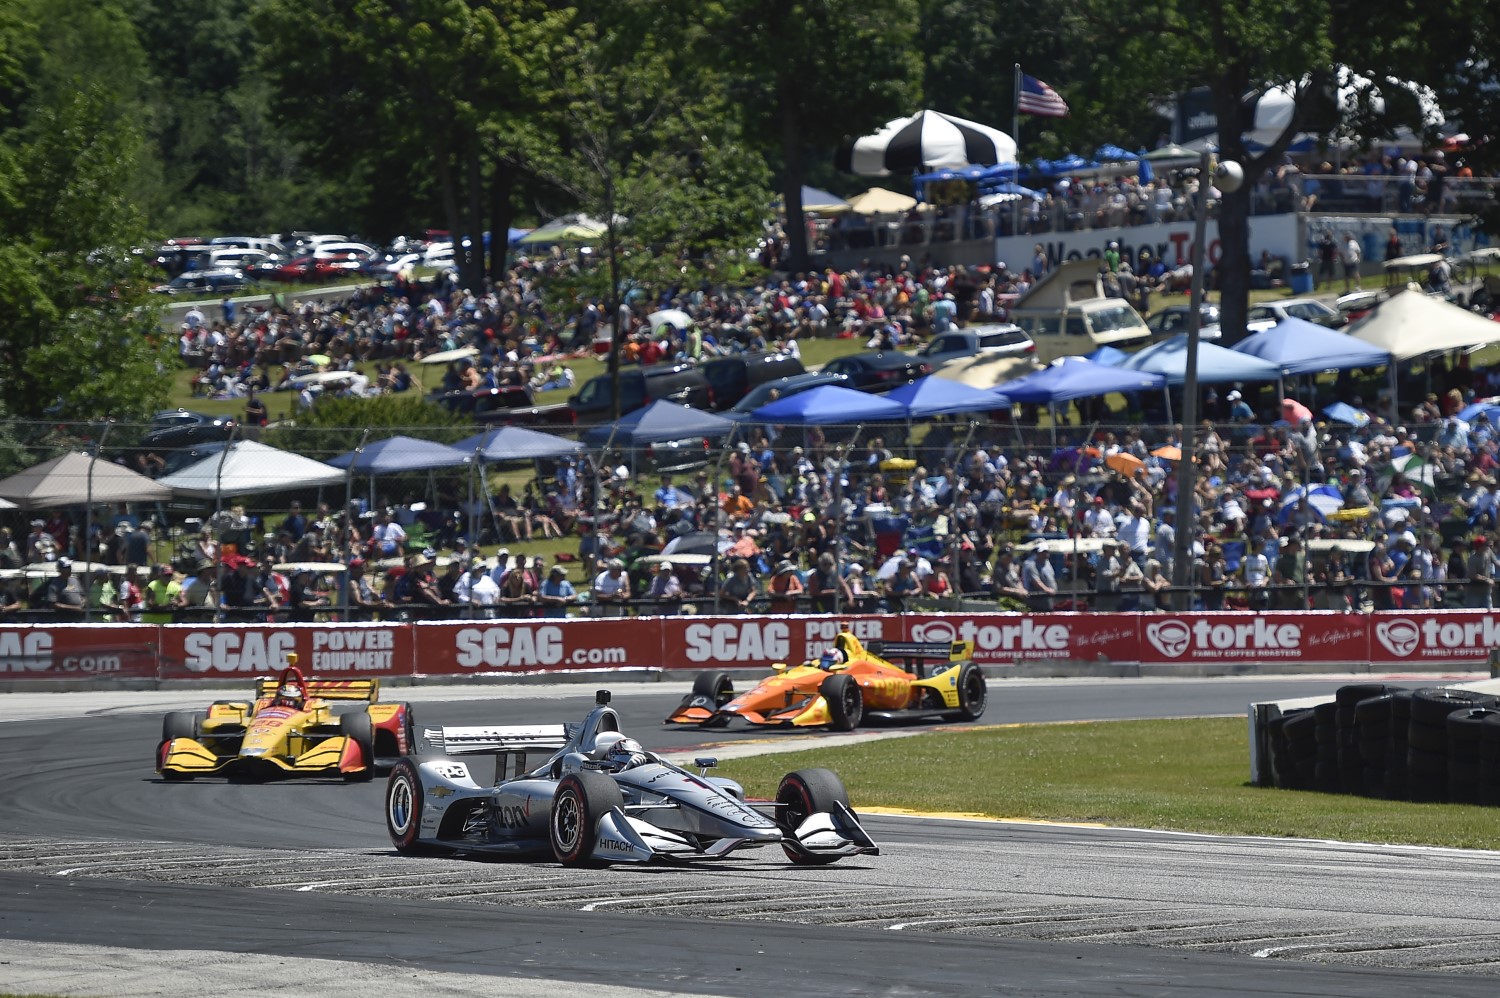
(605, 742)
(831, 658)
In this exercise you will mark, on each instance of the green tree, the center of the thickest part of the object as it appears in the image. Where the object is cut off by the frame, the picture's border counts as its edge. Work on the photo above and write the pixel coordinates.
(81, 338)
(807, 74)
(1242, 51)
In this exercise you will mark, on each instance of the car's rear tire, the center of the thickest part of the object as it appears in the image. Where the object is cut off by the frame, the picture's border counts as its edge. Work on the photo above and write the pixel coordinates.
(973, 693)
(846, 702)
(403, 811)
(573, 825)
(714, 686)
(802, 794)
(361, 731)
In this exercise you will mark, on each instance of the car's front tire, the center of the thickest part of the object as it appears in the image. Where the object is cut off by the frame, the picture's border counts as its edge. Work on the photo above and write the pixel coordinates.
(361, 731)
(573, 826)
(802, 794)
(403, 811)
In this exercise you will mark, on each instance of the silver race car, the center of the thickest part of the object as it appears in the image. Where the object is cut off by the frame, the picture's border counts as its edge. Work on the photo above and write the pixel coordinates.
(600, 798)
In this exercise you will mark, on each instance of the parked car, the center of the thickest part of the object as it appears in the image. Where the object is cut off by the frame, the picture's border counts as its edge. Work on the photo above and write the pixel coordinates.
(508, 405)
(217, 281)
(640, 386)
(182, 428)
(879, 371)
(1002, 339)
(779, 389)
(1174, 319)
(732, 377)
(1269, 313)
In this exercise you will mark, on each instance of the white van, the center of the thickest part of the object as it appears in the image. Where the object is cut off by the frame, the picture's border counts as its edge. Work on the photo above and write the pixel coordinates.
(1067, 313)
(263, 243)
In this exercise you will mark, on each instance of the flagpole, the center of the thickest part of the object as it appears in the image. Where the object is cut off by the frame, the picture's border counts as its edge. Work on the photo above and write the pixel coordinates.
(1015, 133)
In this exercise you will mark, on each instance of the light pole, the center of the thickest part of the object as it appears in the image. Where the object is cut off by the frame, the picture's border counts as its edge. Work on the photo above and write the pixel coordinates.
(1229, 176)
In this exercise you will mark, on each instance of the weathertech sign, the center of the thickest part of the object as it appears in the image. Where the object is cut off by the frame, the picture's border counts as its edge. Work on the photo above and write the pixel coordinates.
(1433, 640)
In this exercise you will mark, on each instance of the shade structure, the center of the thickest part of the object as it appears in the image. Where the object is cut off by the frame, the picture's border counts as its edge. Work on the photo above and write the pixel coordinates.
(250, 468)
(1072, 378)
(1301, 347)
(1474, 410)
(829, 405)
(819, 201)
(517, 443)
(674, 317)
(1170, 154)
(566, 229)
(1216, 364)
(65, 481)
(394, 454)
(659, 421)
(926, 140)
(937, 396)
(448, 356)
(1410, 324)
(1107, 355)
(879, 201)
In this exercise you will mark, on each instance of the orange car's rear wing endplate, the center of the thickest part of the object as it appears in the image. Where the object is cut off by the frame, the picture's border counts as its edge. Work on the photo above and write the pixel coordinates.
(325, 689)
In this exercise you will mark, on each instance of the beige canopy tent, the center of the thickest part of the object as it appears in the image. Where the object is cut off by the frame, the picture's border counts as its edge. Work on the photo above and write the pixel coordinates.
(77, 478)
(879, 201)
(1410, 324)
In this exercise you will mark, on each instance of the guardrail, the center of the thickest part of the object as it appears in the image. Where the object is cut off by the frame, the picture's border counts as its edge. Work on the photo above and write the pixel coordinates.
(1415, 641)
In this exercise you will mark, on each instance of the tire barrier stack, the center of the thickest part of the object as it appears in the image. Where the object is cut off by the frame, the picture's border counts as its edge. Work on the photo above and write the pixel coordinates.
(1427, 745)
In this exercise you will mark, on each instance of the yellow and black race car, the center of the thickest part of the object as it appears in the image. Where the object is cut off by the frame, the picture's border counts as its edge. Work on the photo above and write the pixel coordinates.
(292, 728)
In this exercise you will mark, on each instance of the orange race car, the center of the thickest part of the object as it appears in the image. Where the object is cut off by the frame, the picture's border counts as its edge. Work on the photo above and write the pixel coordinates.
(848, 684)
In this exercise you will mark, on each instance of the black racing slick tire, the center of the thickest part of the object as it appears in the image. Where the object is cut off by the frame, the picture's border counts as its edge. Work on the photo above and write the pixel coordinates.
(361, 731)
(802, 794)
(973, 693)
(177, 724)
(573, 825)
(403, 811)
(716, 687)
(846, 701)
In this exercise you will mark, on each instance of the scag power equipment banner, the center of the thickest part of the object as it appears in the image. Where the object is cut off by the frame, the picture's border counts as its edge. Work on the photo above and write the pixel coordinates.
(331, 650)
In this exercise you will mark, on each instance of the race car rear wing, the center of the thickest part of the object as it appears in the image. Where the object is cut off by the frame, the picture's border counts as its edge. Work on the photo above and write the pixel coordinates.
(509, 744)
(952, 651)
(496, 740)
(324, 689)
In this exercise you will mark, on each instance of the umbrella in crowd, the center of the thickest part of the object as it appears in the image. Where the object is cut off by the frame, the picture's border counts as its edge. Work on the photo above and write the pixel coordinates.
(1168, 453)
(926, 140)
(1321, 499)
(445, 356)
(1170, 155)
(567, 229)
(1473, 411)
(1343, 412)
(674, 317)
(1125, 464)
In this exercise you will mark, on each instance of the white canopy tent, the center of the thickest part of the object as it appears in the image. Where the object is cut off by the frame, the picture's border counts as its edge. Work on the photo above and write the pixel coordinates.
(1410, 324)
(879, 201)
(248, 468)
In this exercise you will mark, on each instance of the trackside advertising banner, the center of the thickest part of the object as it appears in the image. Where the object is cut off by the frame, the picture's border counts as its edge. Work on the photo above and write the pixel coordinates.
(333, 650)
(1421, 641)
(459, 648)
(79, 651)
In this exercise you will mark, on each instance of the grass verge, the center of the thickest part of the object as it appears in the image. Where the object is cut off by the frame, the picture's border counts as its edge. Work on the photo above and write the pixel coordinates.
(1179, 775)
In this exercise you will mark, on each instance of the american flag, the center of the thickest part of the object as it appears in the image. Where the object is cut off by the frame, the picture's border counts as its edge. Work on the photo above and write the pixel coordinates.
(1038, 98)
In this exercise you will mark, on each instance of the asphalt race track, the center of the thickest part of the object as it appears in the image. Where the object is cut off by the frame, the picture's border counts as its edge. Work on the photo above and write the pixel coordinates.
(95, 852)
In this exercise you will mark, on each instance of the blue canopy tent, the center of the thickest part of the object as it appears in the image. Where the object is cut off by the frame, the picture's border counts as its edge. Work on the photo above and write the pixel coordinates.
(1110, 153)
(397, 454)
(660, 421)
(516, 443)
(817, 199)
(971, 172)
(1216, 364)
(829, 405)
(1107, 355)
(935, 396)
(1297, 346)
(1072, 378)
